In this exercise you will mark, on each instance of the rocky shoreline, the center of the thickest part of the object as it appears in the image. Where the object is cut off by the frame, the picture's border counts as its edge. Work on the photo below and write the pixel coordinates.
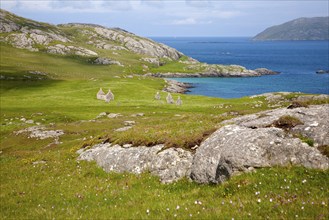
(174, 86)
(244, 73)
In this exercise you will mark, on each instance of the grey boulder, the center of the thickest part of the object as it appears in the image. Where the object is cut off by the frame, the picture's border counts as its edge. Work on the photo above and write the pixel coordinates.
(250, 142)
(169, 164)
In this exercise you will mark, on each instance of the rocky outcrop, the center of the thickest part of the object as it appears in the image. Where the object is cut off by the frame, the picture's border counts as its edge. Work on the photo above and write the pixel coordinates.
(322, 71)
(137, 44)
(40, 133)
(217, 71)
(106, 61)
(264, 71)
(176, 87)
(64, 50)
(240, 145)
(169, 164)
(251, 142)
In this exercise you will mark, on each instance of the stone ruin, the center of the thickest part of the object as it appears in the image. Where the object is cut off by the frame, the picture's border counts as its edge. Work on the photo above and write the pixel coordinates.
(169, 99)
(179, 101)
(100, 95)
(157, 96)
(106, 97)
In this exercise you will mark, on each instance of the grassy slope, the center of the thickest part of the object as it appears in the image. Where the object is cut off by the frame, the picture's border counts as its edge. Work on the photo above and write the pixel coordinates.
(65, 188)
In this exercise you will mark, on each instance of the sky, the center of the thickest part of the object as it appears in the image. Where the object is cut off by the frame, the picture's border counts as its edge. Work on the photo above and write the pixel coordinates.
(175, 18)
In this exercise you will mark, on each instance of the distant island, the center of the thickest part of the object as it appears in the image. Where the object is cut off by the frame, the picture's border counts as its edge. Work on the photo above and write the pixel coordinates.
(316, 28)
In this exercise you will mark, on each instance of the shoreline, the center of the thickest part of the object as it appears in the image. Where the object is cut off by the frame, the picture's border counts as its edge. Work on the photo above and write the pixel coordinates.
(174, 86)
(247, 73)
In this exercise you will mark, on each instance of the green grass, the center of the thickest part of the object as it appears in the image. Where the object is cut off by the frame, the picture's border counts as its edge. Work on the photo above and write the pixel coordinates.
(65, 188)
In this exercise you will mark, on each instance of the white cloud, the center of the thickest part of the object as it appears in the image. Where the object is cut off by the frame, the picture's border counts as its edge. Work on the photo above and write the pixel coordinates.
(69, 6)
(189, 21)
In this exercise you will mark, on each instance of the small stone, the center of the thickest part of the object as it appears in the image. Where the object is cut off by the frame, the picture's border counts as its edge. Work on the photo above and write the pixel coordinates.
(113, 115)
(127, 145)
(137, 115)
(129, 123)
(123, 128)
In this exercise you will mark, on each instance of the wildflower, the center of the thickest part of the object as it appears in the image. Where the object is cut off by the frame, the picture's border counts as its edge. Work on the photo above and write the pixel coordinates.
(177, 207)
(239, 186)
(147, 211)
(323, 203)
(190, 215)
(271, 200)
(223, 202)
(259, 200)
(302, 207)
(257, 193)
(167, 209)
(296, 216)
(175, 215)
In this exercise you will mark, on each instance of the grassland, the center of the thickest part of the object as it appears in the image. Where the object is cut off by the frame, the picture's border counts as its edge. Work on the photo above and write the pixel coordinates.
(42, 180)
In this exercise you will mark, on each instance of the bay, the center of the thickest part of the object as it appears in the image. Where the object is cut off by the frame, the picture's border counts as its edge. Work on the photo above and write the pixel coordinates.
(297, 61)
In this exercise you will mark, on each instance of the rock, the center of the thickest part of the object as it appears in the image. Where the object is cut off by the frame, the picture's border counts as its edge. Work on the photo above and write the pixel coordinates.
(138, 45)
(66, 50)
(264, 71)
(106, 61)
(129, 123)
(21, 41)
(101, 115)
(154, 61)
(322, 71)
(250, 142)
(29, 121)
(176, 87)
(126, 128)
(113, 115)
(41, 133)
(39, 162)
(137, 115)
(169, 164)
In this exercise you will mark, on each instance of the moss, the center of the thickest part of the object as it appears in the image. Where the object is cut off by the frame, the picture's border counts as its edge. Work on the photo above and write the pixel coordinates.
(297, 104)
(306, 140)
(324, 149)
(286, 122)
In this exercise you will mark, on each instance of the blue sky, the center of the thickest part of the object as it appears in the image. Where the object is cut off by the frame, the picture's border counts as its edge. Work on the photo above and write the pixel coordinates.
(171, 17)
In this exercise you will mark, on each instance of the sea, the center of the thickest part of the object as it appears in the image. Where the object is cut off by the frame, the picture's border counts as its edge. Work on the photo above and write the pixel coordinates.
(297, 62)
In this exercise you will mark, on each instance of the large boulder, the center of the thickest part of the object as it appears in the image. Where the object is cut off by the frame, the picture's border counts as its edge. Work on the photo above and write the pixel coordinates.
(169, 164)
(252, 141)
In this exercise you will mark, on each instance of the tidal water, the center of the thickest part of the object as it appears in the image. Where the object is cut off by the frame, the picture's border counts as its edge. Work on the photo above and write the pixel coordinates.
(297, 61)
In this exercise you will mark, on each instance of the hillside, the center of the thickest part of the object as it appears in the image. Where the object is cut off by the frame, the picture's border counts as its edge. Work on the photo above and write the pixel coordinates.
(316, 28)
(108, 46)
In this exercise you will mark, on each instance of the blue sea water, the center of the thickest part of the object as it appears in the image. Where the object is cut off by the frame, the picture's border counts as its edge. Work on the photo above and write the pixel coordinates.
(297, 61)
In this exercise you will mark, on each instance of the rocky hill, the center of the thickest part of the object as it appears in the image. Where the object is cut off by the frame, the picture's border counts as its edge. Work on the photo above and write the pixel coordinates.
(316, 28)
(108, 46)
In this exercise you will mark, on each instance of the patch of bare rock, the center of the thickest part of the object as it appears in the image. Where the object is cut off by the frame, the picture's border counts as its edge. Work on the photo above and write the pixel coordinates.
(240, 145)
(169, 164)
(40, 133)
